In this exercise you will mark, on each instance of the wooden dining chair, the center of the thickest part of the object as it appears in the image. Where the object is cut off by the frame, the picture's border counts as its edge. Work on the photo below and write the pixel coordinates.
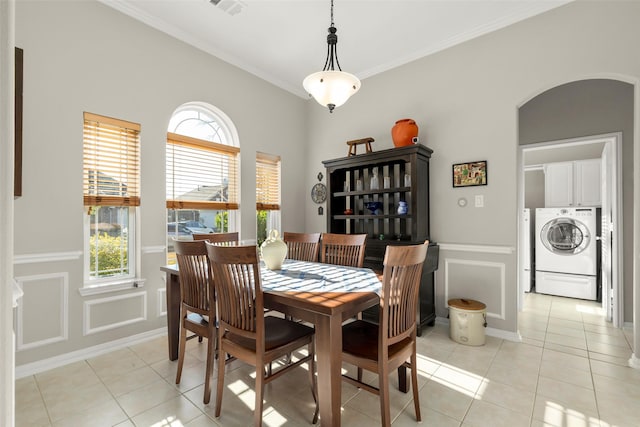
(245, 332)
(217, 237)
(343, 249)
(383, 347)
(302, 246)
(197, 307)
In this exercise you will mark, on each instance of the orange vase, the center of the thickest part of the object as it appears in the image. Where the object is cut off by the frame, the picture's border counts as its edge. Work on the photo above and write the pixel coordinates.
(403, 132)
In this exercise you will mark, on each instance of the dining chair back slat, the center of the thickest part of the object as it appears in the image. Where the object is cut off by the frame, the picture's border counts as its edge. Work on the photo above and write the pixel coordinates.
(343, 249)
(302, 246)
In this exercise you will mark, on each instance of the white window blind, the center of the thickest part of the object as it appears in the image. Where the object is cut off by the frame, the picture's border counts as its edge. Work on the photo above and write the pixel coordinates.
(111, 173)
(267, 182)
(201, 174)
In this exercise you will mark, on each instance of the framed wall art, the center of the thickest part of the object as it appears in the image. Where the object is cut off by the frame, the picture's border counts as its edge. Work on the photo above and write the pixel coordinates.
(470, 174)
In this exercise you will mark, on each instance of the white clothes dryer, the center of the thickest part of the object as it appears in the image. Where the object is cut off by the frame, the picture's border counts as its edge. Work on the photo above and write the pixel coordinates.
(566, 252)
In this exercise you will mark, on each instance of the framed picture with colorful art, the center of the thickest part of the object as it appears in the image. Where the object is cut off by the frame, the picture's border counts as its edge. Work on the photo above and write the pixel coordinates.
(470, 174)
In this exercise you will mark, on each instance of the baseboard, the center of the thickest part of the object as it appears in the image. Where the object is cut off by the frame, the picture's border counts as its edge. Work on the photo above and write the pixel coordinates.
(85, 353)
(505, 335)
(442, 321)
(492, 332)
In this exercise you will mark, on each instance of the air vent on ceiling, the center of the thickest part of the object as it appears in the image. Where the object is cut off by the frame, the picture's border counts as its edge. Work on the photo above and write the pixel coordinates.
(232, 7)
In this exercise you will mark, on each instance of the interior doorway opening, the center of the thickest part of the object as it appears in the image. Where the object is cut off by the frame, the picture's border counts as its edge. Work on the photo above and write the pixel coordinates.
(535, 160)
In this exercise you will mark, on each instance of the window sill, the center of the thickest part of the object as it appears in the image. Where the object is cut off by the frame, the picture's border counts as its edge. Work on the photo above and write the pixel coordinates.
(107, 287)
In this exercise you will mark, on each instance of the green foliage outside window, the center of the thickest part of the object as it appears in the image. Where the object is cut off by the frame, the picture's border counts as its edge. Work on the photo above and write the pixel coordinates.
(111, 256)
(262, 226)
(222, 222)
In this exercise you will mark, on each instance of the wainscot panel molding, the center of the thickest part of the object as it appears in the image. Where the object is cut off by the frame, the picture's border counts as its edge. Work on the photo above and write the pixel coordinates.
(114, 307)
(153, 249)
(483, 287)
(492, 332)
(36, 327)
(161, 308)
(47, 257)
(17, 293)
(121, 285)
(86, 353)
(487, 249)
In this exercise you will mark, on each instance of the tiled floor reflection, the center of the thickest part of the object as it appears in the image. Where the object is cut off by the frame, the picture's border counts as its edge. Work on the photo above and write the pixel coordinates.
(570, 370)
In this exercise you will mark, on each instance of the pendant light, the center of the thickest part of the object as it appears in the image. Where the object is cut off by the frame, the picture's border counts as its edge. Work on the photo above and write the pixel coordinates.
(329, 87)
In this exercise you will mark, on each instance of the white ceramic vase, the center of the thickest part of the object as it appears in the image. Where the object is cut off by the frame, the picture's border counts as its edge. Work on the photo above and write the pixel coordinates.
(273, 251)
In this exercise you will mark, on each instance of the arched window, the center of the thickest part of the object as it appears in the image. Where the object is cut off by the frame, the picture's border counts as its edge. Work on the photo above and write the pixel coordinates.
(202, 170)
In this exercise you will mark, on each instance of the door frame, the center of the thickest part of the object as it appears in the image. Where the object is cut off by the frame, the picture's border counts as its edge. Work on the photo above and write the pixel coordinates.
(614, 142)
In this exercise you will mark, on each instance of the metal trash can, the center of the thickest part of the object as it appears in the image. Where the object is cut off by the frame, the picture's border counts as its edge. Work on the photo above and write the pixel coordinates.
(467, 321)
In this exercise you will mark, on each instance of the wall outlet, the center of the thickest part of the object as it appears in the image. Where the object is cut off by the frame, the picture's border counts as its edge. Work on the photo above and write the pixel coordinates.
(479, 201)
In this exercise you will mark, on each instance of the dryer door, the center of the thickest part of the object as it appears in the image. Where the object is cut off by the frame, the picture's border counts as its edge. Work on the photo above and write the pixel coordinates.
(565, 236)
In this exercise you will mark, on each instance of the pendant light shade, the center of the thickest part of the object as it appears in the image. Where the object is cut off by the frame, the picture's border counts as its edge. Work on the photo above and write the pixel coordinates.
(331, 87)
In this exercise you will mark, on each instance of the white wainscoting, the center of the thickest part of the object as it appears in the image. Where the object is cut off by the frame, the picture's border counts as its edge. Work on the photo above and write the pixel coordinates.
(491, 275)
(153, 249)
(44, 324)
(486, 249)
(117, 316)
(162, 302)
(47, 257)
(70, 256)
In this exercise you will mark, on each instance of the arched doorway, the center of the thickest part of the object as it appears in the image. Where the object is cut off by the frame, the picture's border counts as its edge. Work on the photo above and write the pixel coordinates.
(567, 117)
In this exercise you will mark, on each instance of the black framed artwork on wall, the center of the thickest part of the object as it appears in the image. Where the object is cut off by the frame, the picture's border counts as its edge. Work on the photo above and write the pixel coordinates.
(469, 174)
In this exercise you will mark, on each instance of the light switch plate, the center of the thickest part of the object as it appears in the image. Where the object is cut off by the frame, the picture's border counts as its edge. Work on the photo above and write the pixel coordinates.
(479, 201)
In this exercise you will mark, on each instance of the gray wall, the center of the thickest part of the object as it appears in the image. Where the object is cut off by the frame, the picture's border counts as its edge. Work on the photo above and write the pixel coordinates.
(66, 45)
(465, 100)
(582, 108)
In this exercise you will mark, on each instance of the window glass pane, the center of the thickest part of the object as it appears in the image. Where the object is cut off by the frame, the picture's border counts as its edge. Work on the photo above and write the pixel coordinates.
(183, 223)
(267, 221)
(198, 123)
(109, 241)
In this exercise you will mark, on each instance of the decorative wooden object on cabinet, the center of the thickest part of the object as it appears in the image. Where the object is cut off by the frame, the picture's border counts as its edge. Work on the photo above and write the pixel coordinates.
(402, 174)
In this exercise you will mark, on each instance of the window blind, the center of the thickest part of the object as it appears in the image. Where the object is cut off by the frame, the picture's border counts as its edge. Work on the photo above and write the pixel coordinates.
(201, 174)
(111, 161)
(267, 182)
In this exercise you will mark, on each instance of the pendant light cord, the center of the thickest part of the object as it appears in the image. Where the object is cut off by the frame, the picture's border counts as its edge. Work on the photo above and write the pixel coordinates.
(332, 13)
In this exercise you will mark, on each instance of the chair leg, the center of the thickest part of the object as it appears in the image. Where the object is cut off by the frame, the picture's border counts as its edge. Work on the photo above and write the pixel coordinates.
(314, 383)
(257, 416)
(221, 366)
(414, 385)
(383, 385)
(181, 352)
(359, 374)
(209, 371)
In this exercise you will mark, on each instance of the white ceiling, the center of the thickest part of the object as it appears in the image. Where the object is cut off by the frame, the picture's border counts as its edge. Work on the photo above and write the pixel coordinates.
(284, 41)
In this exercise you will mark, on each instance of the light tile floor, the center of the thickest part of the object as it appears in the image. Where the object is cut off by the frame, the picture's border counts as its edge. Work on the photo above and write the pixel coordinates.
(570, 370)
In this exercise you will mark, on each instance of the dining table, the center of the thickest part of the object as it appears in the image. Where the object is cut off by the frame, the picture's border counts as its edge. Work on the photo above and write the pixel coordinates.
(325, 295)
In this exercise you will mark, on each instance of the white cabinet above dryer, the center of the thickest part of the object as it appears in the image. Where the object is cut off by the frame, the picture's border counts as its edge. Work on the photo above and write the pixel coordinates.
(575, 183)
